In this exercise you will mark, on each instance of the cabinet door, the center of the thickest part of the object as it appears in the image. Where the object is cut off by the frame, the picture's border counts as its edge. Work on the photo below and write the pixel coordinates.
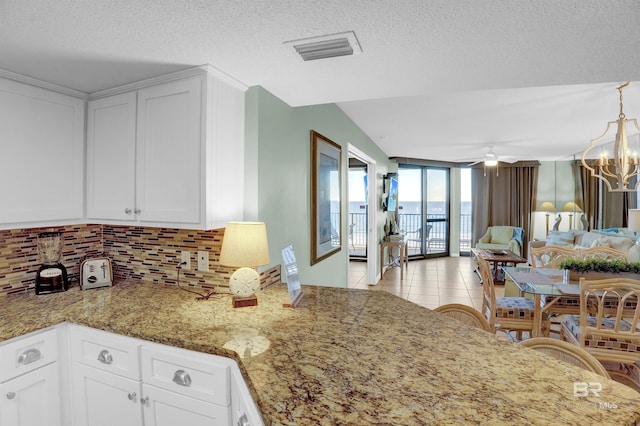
(111, 139)
(165, 408)
(32, 399)
(104, 399)
(42, 145)
(170, 153)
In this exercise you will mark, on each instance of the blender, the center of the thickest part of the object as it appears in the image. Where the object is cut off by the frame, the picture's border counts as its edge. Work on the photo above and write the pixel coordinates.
(52, 275)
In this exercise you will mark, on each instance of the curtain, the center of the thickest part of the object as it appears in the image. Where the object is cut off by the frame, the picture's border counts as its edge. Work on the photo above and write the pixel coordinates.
(615, 205)
(507, 197)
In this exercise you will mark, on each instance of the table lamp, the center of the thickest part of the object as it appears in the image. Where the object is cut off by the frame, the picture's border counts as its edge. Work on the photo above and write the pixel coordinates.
(245, 246)
(571, 207)
(547, 207)
(634, 224)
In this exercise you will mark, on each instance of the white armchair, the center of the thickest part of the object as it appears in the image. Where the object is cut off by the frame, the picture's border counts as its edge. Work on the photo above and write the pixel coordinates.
(502, 238)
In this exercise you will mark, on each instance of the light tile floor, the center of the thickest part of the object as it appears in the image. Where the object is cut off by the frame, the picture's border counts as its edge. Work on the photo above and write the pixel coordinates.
(430, 283)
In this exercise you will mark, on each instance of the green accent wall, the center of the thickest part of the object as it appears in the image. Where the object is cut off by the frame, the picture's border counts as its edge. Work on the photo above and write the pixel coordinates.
(278, 177)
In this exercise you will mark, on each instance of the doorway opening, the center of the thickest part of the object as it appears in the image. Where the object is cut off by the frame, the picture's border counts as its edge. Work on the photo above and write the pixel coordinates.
(361, 228)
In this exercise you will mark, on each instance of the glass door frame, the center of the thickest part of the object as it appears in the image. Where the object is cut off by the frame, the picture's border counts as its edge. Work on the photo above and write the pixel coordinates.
(426, 241)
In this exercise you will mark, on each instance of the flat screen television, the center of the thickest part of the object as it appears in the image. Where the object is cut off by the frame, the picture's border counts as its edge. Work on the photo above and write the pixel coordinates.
(392, 197)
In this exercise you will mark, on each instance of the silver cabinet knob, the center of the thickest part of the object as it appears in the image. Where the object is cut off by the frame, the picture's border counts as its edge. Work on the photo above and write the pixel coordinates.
(11, 395)
(145, 400)
(132, 396)
(105, 357)
(243, 421)
(127, 211)
(137, 211)
(29, 356)
(182, 378)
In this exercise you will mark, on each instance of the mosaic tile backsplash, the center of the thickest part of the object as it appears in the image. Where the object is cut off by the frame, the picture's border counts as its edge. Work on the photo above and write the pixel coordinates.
(146, 254)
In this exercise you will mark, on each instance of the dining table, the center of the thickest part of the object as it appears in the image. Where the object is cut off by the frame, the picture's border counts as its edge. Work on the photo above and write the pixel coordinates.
(539, 282)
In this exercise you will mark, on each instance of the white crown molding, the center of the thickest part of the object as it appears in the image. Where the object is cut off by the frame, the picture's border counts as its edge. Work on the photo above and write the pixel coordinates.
(189, 72)
(10, 75)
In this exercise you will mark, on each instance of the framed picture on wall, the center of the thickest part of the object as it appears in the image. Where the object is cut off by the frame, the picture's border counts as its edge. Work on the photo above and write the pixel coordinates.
(326, 197)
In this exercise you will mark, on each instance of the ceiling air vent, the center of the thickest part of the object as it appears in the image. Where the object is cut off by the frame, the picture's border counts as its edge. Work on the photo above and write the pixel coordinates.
(329, 46)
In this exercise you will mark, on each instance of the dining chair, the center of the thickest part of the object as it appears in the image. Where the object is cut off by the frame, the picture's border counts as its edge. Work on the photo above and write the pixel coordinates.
(608, 324)
(605, 253)
(550, 256)
(566, 352)
(465, 314)
(504, 313)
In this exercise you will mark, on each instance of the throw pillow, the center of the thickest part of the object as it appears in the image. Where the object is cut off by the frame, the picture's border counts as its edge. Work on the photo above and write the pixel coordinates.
(600, 243)
(559, 238)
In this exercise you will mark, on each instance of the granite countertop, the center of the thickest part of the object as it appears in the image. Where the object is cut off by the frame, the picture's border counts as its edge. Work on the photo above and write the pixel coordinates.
(343, 357)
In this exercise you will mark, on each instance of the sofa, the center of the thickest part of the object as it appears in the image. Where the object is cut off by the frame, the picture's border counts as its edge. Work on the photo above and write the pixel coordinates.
(620, 239)
(616, 238)
(502, 238)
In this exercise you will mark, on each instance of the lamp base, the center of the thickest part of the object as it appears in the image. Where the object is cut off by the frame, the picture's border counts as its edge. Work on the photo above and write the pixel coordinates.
(242, 302)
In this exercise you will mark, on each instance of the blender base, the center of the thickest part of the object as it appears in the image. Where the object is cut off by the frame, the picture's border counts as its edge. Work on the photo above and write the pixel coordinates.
(51, 279)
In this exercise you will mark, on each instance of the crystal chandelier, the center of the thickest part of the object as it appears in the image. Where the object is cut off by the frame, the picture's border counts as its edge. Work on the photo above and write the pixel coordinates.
(616, 172)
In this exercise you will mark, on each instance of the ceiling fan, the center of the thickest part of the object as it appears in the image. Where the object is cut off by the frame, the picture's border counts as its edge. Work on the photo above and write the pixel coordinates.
(491, 159)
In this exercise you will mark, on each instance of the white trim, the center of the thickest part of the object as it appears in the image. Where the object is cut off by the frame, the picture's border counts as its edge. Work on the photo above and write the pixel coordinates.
(372, 235)
(10, 75)
(178, 75)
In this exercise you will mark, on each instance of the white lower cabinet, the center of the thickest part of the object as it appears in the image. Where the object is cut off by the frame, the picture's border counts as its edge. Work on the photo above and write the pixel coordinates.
(32, 399)
(117, 380)
(104, 399)
(30, 381)
(165, 408)
(105, 379)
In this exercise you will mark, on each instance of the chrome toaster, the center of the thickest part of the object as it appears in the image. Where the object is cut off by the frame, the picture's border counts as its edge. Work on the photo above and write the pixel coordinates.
(96, 273)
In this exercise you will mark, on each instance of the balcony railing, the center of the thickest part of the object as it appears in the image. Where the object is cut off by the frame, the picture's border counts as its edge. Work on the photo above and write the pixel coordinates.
(410, 225)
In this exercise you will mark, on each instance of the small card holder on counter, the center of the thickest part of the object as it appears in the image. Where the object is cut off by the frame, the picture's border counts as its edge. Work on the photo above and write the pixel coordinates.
(293, 279)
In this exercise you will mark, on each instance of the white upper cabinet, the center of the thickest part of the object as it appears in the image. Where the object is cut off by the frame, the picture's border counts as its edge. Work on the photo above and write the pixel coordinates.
(42, 147)
(167, 154)
(111, 159)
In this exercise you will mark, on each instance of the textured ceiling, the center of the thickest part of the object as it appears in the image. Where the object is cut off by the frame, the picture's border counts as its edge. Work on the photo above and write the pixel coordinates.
(438, 79)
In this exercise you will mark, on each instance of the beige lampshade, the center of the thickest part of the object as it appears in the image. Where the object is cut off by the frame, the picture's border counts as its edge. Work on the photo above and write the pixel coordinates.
(245, 244)
(571, 207)
(547, 206)
(634, 220)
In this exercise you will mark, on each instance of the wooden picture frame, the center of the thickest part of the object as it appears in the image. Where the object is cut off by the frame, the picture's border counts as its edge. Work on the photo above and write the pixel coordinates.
(326, 197)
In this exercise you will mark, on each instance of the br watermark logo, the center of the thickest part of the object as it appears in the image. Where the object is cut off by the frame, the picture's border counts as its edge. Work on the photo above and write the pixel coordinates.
(585, 389)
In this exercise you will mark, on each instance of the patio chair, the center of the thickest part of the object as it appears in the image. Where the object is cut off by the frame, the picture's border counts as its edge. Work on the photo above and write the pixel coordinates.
(418, 239)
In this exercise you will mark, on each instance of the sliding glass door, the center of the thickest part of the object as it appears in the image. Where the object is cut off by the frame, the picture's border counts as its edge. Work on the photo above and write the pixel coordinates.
(424, 209)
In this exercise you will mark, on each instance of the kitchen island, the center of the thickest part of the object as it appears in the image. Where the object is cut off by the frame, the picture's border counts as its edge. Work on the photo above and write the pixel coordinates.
(343, 357)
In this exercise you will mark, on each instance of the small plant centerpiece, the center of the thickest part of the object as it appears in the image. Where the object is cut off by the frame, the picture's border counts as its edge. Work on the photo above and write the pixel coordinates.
(600, 268)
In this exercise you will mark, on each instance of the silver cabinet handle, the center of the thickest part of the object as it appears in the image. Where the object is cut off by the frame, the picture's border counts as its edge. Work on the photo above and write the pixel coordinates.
(105, 357)
(182, 378)
(137, 211)
(127, 211)
(145, 400)
(11, 395)
(132, 396)
(29, 356)
(243, 421)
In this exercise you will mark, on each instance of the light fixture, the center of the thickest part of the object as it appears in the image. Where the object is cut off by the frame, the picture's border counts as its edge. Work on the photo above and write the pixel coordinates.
(633, 224)
(245, 245)
(572, 208)
(328, 46)
(547, 207)
(617, 172)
